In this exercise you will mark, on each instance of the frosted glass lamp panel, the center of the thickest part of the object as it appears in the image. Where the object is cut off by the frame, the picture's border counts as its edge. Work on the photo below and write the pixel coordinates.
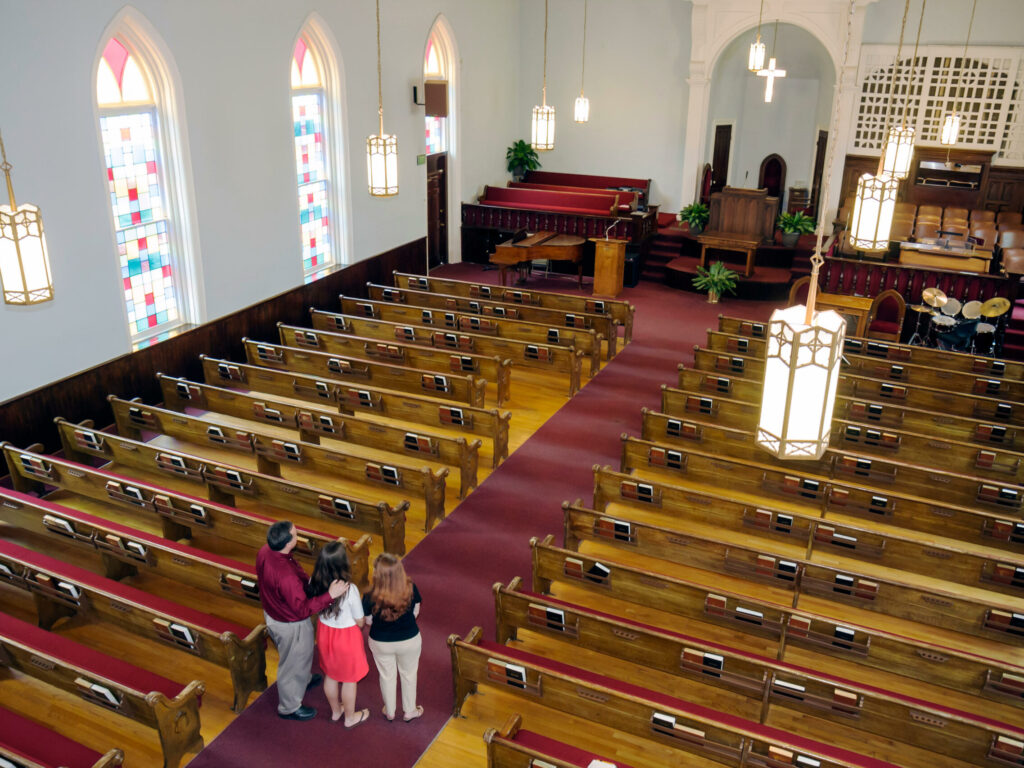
(542, 133)
(755, 61)
(898, 152)
(873, 209)
(24, 263)
(801, 380)
(950, 130)
(581, 110)
(382, 164)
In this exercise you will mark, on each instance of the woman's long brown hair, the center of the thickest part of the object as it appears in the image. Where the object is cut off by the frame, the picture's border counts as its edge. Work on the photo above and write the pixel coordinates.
(330, 565)
(391, 592)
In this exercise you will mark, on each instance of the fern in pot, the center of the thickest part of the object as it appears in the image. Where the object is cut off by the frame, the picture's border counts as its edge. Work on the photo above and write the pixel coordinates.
(716, 280)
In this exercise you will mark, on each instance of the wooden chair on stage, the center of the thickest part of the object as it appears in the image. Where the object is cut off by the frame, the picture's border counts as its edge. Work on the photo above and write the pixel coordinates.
(885, 320)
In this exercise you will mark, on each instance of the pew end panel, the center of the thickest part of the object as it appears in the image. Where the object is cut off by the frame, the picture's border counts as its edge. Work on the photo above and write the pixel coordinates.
(504, 631)
(178, 722)
(247, 663)
(463, 685)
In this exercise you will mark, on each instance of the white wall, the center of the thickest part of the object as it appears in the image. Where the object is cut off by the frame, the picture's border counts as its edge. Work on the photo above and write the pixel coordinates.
(996, 22)
(232, 57)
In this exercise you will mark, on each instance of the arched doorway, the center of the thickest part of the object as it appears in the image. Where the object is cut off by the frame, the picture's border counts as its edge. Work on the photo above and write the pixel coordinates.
(772, 175)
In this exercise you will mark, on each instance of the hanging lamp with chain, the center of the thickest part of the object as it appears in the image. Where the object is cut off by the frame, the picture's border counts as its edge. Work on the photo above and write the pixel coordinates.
(581, 110)
(542, 130)
(951, 124)
(899, 143)
(381, 148)
(755, 61)
(24, 263)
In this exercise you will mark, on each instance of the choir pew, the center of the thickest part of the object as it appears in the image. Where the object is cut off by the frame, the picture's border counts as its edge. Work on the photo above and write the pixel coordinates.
(968, 672)
(489, 423)
(272, 453)
(633, 710)
(179, 514)
(546, 357)
(394, 352)
(26, 744)
(620, 311)
(774, 684)
(453, 387)
(584, 340)
(602, 324)
(171, 709)
(60, 590)
(897, 353)
(314, 423)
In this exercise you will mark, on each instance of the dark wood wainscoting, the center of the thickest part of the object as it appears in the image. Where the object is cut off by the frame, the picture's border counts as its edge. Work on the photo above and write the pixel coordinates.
(29, 418)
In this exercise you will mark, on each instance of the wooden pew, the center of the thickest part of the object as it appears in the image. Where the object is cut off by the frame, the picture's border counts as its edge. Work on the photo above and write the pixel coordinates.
(312, 423)
(27, 744)
(583, 340)
(222, 485)
(619, 310)
(60, 590)
(905, 353)
(904, 373)
(869, 412)
(178, 513)
(866, 388)
(861, 588)
(890, 442)
(812, 692)
(514, 747)
(633, 710)
(893, 654)
(793, 490)
(846, 459)
(272, 454)
(454, 387)
(124, 551)
(104, 681)
(602, 324)
(489, 423)
(394, 352)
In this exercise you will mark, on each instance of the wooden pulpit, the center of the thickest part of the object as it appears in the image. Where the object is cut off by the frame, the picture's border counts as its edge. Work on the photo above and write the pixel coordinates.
(609, 263)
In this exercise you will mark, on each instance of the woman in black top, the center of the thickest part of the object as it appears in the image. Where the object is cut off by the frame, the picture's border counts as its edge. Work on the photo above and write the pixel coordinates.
(391, 607)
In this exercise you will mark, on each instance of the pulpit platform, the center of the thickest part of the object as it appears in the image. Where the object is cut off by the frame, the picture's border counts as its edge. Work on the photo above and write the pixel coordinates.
(767, 282)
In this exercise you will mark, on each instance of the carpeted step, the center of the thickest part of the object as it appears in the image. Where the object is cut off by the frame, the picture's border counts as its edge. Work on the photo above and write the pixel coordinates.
(1013, 351)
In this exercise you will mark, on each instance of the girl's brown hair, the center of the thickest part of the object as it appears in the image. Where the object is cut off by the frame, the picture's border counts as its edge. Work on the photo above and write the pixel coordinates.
(391, 592)
(330, 565)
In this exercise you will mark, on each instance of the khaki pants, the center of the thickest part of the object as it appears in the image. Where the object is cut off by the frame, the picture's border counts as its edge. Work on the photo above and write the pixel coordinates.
(402, 658)
(294, 641)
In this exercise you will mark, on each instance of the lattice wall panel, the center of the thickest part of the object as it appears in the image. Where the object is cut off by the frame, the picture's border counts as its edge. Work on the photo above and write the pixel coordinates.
(984, 87)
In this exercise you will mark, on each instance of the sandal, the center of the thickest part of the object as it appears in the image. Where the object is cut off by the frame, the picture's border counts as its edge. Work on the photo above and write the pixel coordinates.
(384, 711)
(364, 715)
(418, 712)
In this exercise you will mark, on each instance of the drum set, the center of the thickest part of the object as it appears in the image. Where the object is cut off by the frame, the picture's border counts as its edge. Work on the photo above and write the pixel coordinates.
(973, 327)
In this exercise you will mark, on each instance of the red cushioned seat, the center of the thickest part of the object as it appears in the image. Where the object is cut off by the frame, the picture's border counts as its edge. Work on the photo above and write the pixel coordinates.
(40, 745)
(91, 662)
(595, 203)
(627, 198)
(545, 207)
(88, 578)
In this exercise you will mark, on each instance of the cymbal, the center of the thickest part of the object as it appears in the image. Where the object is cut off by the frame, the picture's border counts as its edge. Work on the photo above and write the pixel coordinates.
(971, 310)
(933, 297)
(995, 306)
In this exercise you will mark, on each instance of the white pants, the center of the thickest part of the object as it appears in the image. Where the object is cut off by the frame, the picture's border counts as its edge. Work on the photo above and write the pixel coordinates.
(402, 657)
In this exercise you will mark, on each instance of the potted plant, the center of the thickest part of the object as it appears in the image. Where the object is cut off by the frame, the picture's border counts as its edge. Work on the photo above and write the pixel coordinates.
(716, 280)
(793, 225)
(696, 215)
(521, 157)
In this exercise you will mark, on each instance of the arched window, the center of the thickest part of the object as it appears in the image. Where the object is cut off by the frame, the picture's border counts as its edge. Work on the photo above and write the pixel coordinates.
(311, 159)
(156, 277)
(434, 69)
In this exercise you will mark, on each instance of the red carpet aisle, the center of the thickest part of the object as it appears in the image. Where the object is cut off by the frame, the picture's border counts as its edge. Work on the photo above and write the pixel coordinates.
(486, 538)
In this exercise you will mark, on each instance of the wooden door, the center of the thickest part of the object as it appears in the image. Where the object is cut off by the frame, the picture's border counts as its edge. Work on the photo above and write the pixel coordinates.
(819, 168)
(720, 157)
(437, 208)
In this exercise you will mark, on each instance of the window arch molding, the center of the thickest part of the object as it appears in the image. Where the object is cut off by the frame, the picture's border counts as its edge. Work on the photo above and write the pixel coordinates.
(443, 35)
(321, 41)
(143, 42)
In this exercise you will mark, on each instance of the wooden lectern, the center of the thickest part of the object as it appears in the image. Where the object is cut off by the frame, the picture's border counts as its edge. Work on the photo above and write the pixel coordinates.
(609, 263)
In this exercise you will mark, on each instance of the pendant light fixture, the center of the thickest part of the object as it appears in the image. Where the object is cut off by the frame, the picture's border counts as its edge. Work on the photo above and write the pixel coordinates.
(951, 125)
(899, 143)
(755, 61)
(542, 131)
(804, 352)
(873, 208)
(771, 72)
(581, 112)
(381, 148)
(24, 264)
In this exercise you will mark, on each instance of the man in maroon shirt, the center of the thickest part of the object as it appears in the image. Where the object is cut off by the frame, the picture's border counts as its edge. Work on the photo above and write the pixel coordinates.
(287, 610)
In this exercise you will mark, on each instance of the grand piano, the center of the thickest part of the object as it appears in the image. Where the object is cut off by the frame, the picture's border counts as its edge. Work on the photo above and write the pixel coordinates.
(524, 248)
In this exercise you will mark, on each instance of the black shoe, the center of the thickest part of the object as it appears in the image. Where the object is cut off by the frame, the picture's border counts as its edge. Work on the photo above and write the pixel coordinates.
(314, 681)
(302, 713)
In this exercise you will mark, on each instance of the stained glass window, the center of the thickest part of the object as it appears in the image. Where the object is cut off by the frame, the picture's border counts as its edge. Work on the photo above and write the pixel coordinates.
(310, 160)
(436, 138)
(128, 126)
